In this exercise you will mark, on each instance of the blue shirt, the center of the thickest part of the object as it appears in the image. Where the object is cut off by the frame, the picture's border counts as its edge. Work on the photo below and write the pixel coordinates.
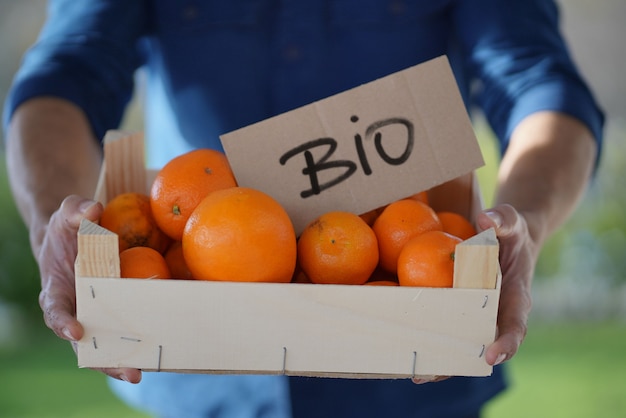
(214, 66)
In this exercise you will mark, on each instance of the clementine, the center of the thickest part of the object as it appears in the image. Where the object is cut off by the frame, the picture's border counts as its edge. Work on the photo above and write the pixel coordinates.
(338, 248)
(240, 234)
(456, 224)
(183, 182)
(129, 215)
(382, 283)
(399, 222)
(176, 261)
(299, 276)
(420, 197)
(370, 216)
(382, 275)
(428, 260)
(143, 263)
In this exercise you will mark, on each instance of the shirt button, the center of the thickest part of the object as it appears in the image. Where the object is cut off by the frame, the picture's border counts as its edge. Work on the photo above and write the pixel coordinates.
(291, 52)
(397, 7)
(189, 13)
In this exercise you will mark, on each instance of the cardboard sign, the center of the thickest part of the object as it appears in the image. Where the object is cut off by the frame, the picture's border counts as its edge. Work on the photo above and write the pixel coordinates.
(348, 151)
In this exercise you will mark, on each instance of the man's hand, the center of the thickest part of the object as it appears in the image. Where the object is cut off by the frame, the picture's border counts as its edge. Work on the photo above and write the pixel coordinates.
(56, 263)
(518, 255)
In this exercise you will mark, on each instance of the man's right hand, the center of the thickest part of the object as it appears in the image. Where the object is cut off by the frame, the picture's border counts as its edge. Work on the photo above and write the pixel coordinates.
(56, 258)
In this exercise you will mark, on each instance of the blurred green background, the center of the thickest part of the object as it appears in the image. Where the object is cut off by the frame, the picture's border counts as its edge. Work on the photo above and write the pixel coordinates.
(572, 362)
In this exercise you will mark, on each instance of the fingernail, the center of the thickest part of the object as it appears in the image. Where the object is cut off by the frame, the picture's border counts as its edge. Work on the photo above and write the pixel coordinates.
(85, 206)
(66, 332)
(495, 217)
(124, 378)
(500, 359)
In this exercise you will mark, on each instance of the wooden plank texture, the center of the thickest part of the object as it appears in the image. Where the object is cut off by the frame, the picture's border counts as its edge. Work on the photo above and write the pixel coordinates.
(98, 252)
(295, 329)
(123, 167)
(476, 262)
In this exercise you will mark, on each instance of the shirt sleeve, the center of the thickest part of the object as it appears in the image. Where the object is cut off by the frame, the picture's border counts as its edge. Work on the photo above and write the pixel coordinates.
(516, 51)
(85, 53)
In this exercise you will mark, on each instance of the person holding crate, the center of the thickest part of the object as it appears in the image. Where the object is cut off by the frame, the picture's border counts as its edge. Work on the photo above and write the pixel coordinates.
(212, 67)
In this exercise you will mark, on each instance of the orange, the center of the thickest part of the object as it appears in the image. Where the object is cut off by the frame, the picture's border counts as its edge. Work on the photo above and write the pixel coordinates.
(428, 260)
(420, 197)
(370, 216)
(299, 276)
(381, 275)
(182, 184)
(456, 224)
(129, 215)
(143, 263)
(240, 234)
(399, 222)
(176, 261)
(338, 248)
(382, 283)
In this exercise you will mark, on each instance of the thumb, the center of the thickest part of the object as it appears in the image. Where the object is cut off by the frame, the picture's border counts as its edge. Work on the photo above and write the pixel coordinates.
(75, 208)
(489, 218)
(503, 218)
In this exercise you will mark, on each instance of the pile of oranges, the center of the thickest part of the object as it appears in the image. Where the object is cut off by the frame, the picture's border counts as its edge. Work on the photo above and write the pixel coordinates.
(197, 223)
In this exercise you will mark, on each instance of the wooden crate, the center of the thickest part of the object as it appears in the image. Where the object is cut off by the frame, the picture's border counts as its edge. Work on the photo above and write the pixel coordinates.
(291, 329)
